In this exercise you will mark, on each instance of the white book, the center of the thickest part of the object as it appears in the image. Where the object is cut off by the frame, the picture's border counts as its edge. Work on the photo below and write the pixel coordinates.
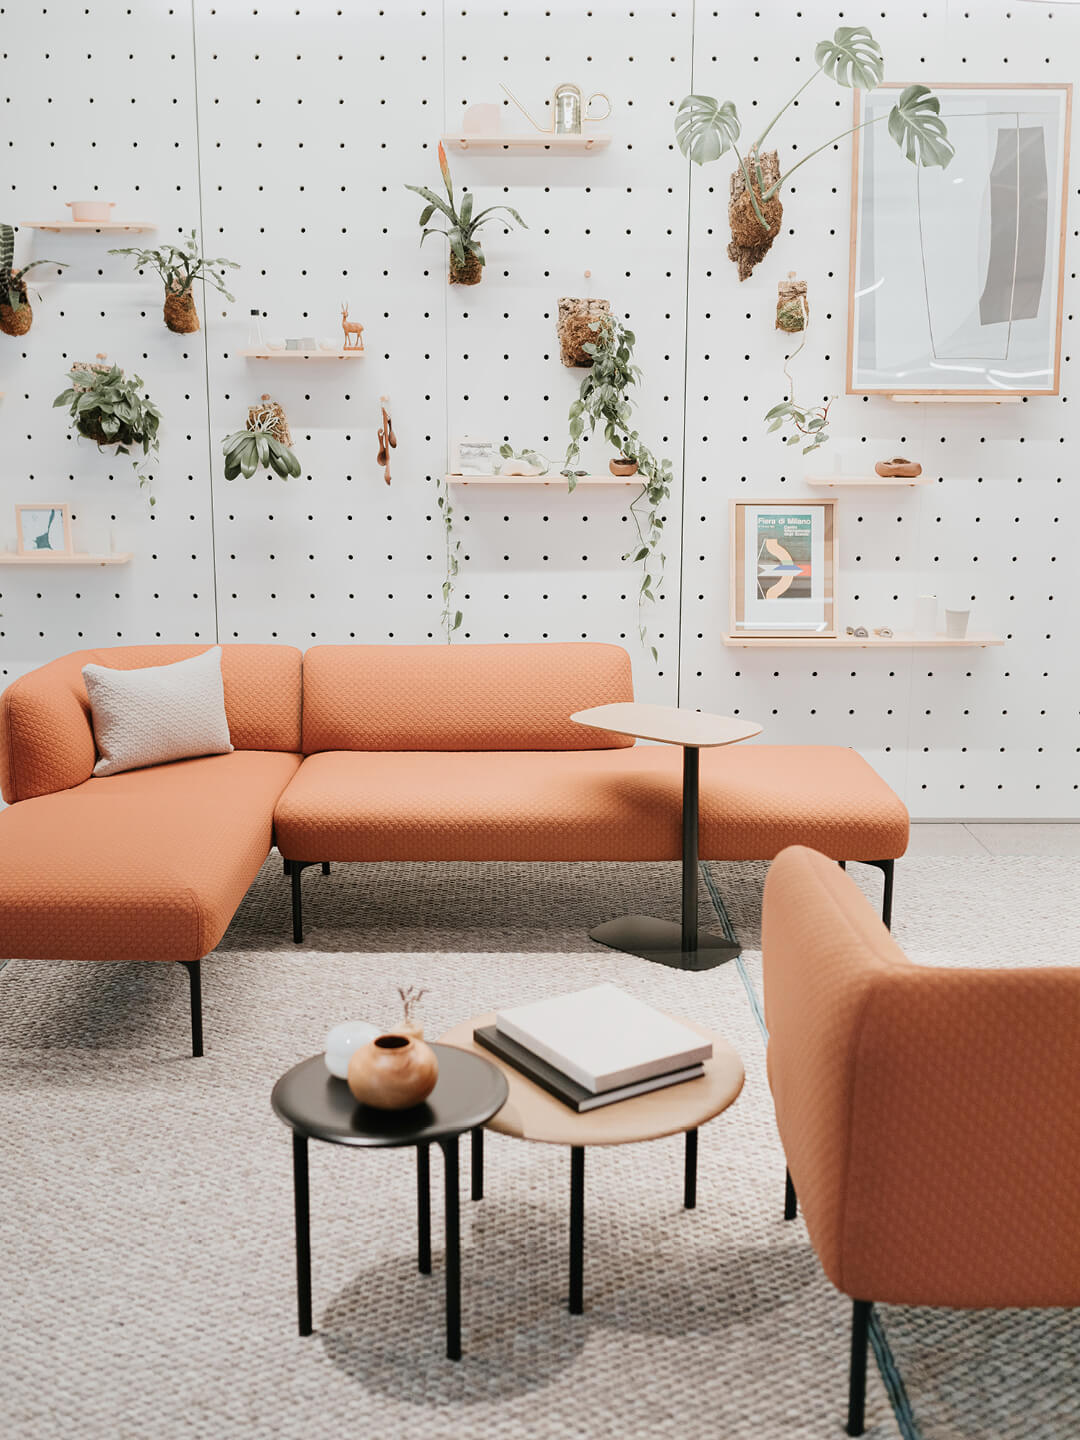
(603, 1038)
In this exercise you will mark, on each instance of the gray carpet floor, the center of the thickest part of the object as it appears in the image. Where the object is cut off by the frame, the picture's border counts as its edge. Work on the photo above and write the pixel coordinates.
(146, 1242)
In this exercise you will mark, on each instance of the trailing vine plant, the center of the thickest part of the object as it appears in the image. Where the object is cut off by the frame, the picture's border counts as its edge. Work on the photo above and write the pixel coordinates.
(809, 423)
(605, 399)
(450, 618)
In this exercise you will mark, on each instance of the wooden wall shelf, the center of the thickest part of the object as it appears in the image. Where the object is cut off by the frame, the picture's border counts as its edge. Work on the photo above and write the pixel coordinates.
(8, 557)
(849, 642)
(584, 144)
(832, 482)
(955, 399)
(302, 354)
(548, 479)
(106, 227)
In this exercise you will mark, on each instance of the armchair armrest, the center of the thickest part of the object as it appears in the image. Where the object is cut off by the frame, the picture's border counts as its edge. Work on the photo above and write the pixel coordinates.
(46, 738)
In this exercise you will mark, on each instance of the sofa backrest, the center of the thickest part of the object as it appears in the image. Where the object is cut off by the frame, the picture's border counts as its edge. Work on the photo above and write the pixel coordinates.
(46, 737)
(460, 697)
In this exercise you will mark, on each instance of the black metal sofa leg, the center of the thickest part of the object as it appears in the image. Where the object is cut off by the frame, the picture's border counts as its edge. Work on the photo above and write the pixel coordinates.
(860, 1331)
(791, 1200)
(194, 969)
(296, 869)
(887, 868)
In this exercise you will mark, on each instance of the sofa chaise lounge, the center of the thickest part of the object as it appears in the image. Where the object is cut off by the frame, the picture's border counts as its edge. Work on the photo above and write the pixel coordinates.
(372, 753)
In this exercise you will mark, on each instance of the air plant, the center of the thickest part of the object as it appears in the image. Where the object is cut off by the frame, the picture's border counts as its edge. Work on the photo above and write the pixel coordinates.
(706, 128)
(466, 254)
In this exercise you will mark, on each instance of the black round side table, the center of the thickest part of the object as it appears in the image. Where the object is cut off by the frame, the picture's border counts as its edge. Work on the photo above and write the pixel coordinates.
(318, 1106)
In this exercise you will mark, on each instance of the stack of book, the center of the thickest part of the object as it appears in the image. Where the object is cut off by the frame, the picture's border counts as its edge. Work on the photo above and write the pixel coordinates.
(596, 1046)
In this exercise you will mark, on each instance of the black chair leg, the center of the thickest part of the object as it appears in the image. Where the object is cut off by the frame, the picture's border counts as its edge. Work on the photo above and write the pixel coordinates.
(791, 1200)
(887, 867)
(860, 1330)
(326, 867)
(295, 871)
(194, 969)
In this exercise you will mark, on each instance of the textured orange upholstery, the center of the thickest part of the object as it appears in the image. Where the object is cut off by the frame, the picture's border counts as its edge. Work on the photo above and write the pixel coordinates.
(623, 804)
(46, 740)
(147, 865)
(460, 697)
(930, 1117)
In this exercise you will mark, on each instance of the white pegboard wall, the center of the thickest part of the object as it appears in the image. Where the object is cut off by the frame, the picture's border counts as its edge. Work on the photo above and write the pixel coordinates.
(287, 132)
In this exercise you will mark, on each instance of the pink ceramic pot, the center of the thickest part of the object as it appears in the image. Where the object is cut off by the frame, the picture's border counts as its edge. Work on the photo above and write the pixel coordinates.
(90, 209)
(393, 1072)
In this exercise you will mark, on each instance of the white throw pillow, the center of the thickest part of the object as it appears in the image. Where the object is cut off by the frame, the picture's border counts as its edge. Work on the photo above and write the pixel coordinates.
(159, 713)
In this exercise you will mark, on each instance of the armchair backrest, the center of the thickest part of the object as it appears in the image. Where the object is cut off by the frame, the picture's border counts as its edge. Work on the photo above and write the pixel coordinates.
(930, 1116)
(46, 737)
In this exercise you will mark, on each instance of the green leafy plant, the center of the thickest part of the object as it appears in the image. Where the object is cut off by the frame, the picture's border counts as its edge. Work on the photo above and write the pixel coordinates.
(450, 618)
(605, 399)
(179, 268)
(13, 285)
(265, 441)
(466, 253)
(809, 423)
(110, 408)
(706, 129)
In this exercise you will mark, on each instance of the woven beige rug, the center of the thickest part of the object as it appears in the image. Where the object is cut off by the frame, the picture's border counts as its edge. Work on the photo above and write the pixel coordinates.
(146, 1243)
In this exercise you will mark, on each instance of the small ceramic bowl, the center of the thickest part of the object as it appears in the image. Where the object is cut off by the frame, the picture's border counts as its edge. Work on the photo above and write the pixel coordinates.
(90, 209)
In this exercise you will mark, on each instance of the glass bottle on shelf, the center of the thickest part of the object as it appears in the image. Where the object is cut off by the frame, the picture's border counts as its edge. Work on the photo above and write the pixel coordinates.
(255, 339)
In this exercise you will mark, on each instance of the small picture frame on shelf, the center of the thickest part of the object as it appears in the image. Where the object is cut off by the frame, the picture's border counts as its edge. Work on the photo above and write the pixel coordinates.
(470, 456)
(784, 563)
(43, 529)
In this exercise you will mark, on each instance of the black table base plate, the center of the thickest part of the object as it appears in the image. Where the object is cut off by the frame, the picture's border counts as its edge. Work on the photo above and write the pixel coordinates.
(661, 942)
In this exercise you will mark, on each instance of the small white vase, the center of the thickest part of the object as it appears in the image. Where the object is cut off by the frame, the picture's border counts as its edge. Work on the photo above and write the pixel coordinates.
(343, 1040)
(926, 617)
(956, 623)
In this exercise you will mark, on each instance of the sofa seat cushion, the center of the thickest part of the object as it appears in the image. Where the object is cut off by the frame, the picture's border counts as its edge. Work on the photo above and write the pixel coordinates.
(147, 865)
(586, 805)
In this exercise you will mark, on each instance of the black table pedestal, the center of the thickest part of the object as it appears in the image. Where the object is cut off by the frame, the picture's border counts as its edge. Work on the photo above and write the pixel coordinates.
(667, 942)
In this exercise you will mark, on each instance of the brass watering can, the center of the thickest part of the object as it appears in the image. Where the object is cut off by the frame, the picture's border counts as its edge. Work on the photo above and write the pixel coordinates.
(569, 109)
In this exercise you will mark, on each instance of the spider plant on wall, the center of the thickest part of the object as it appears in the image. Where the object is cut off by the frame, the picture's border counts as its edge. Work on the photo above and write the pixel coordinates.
(605, 399)
(466, 255)
(706, 128)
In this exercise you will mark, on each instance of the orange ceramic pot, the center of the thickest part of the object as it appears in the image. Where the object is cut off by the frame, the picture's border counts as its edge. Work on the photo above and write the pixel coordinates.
(393, 1072)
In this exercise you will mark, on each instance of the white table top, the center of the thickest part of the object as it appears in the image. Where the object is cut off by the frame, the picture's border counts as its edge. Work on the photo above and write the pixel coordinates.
(667, 723)
(530, 1113)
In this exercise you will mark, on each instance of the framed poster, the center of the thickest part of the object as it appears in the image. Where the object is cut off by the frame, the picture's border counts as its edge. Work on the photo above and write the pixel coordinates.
(43, 528)
(956, 273)
(783, 567)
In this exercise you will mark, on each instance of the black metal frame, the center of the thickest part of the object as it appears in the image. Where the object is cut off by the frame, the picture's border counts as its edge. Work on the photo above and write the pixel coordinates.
(194, 969)
(294, 869)
(860, 1332)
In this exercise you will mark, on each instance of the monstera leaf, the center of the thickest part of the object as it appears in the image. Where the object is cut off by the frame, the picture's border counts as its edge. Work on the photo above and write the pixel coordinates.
(705, 128)
(852, 58)
(917, 127)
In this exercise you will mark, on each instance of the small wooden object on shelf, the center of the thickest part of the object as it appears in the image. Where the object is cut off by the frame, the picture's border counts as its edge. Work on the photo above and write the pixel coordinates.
(353, 328)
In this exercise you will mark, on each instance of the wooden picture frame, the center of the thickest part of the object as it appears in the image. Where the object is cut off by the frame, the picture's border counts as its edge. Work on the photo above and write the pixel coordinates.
(39, 527)
(956, 276)
(816, 606)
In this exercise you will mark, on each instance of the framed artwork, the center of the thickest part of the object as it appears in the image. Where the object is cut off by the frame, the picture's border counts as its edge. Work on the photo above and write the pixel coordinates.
(43, 528)
(956, 273)
(783, 568)
(472, 456)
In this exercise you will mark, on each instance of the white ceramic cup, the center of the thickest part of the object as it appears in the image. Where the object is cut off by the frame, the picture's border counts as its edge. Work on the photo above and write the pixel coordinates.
(926, 616)
(956, 623)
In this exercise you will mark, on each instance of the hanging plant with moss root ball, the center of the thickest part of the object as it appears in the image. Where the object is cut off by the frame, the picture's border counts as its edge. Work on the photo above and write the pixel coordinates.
(110, 408)
(179, 269)
(466, 255)
(706, 128)
(809, 423)
(265, 440)
(605, 399)
(16, 314)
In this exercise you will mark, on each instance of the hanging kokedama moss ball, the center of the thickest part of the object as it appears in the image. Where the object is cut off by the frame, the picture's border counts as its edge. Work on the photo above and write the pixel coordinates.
(750, 240)
(792, 311)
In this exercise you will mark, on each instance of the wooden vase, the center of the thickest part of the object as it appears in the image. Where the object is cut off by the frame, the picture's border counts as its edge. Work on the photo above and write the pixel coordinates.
(622, 466)
(180, 314)
(393, 1072)
(468, 273)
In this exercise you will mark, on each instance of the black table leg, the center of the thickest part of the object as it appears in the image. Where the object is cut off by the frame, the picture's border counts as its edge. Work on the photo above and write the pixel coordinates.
(423, 1207)
(666, 942)
(478, 1163)
(577, 1229)
(453, 1249)
(303, 1233)
(690, 1176)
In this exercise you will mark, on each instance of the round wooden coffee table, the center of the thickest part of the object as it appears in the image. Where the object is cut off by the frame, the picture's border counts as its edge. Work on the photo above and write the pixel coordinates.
(530, 1113)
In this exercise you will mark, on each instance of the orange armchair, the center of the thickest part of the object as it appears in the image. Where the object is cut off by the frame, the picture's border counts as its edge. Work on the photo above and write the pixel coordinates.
(930, 1117)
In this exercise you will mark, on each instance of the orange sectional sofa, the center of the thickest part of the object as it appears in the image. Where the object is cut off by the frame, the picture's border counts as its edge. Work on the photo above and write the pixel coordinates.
(925, 1113)
(373, 753)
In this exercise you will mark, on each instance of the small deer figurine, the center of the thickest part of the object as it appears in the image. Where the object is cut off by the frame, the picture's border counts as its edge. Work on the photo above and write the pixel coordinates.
(351, 327)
